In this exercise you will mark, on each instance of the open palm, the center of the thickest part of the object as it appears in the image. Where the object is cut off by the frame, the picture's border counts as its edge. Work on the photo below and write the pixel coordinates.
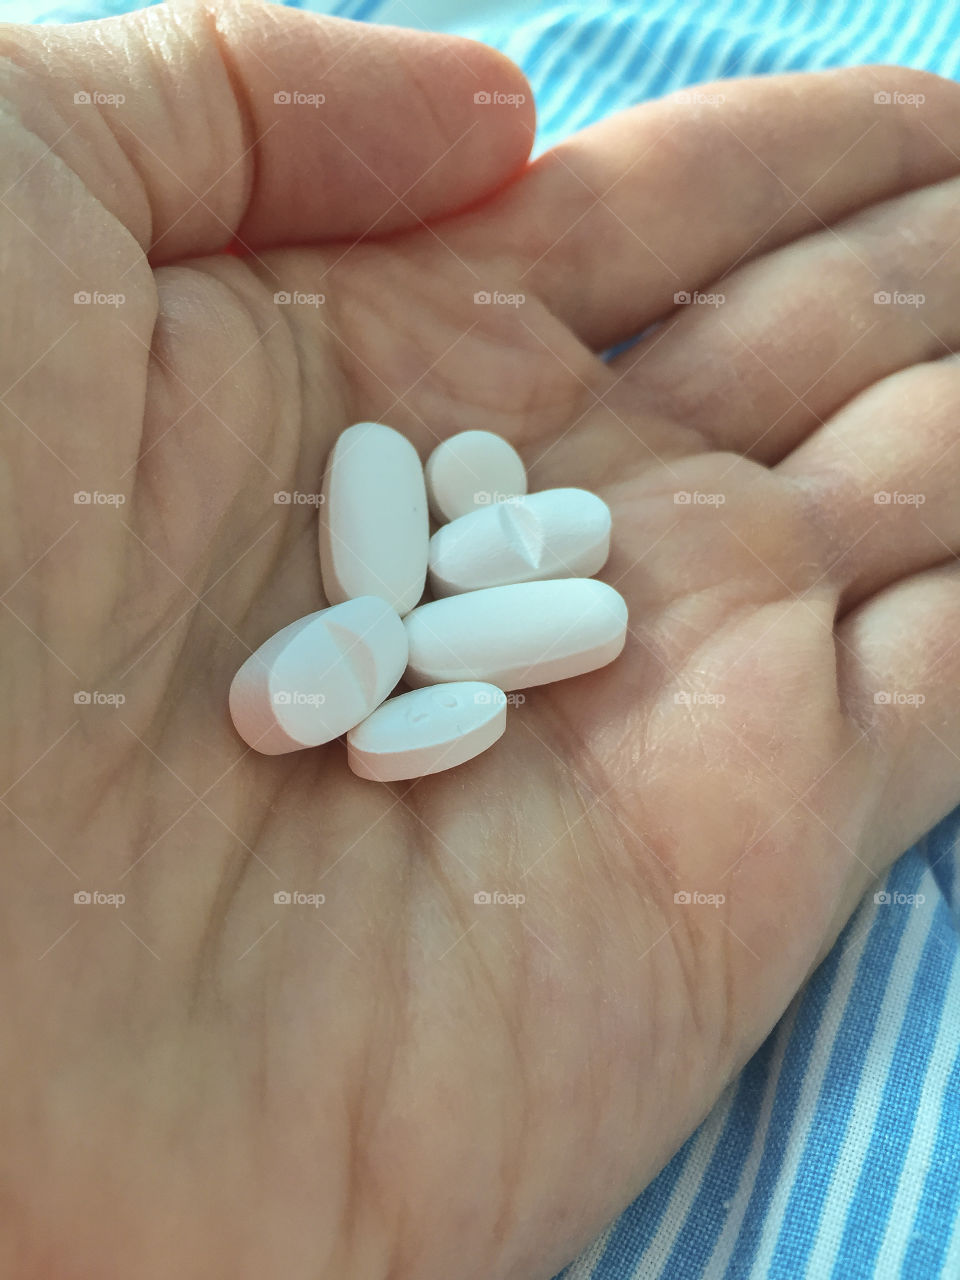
(404, 1080)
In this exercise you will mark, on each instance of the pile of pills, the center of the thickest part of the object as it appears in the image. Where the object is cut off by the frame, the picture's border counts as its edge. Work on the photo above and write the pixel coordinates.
(514, 606)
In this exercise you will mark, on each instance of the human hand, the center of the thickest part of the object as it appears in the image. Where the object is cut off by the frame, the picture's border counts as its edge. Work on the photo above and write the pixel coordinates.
(402, 1081)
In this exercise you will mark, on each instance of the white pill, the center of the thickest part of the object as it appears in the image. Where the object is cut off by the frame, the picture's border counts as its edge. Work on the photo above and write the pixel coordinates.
(517, 636)
(374, 528)
(319, 676)
(558, 533)
(427, 731)
(470, 470)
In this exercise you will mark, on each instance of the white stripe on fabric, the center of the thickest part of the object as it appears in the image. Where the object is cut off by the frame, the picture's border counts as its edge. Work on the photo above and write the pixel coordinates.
(951, 1262)
(683, 74)
(874, 1072)
(554, 98)
(913, 1174)
(584, 1266)
(651, 1261)
(738, 22)
(667, 41)
(925, 54)
(607, 74)
(796, 1142)
(616, 88)
(860, 43)
(727, 1240)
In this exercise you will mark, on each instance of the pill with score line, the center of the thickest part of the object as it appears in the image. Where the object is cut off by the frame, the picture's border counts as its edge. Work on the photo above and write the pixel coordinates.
(472, 469)
(517, 636)
(319, 676)
(374, 527)
(557, 533)
(427, 731)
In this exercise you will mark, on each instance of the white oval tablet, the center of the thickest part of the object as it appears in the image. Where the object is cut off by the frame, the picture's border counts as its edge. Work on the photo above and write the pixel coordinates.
(470, 470)
(319, 676)
(517, 636)
(374, 528)
(427, 731)
(557, 533)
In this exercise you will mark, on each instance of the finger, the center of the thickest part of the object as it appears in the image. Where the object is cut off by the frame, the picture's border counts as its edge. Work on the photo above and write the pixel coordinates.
(899, 676)
(881, 479)
(770, 352)
(195, 125)
(609, 225)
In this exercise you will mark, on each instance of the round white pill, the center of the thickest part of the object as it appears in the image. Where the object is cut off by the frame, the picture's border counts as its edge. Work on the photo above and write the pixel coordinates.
(374, 528)
(472, 469)
(427, 731)
(517, 636)
(319, 676)
(557, 533)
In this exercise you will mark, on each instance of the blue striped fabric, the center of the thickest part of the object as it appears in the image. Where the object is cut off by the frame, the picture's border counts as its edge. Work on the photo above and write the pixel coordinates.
(837, 1152)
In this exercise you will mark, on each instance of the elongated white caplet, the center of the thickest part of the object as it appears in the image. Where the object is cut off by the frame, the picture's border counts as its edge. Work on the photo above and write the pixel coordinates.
(517, 636)
(374, 527)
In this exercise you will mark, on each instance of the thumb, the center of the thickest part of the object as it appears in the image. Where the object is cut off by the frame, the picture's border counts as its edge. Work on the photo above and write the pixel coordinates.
(195, 125)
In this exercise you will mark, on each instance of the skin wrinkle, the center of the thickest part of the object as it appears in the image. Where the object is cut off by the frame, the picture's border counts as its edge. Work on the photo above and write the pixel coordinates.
(218, 22)
(372, 1104)
(307, 353)
(409, 1251)
(511, 1161)
(426, 99)
(57, 124)
(516, 1149)
(372, 1086)
(201, 33)
(537, 399)
(163, 709)
(138, 192)
(211, 945)
(222, 293)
